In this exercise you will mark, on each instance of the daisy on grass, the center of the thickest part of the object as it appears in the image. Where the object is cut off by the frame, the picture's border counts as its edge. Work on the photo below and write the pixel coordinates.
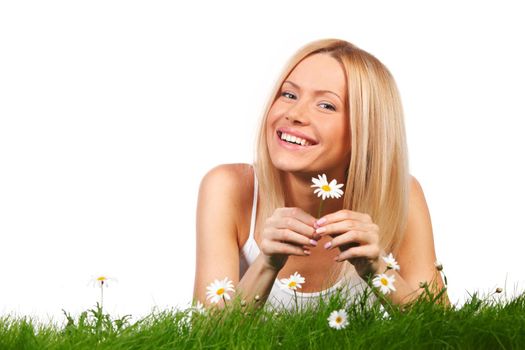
(293, 282)
(219, 290)
(391, 263)
(101, 282)
(324, 189)
(338, 319)
(384, 282)
(198, 308)
(439, 267)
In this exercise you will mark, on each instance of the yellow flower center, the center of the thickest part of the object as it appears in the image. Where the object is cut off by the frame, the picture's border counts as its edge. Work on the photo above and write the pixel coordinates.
(384, 281)
(292, 284)
(101, 278)
(339, 319)
(220, 291)
(326, 188)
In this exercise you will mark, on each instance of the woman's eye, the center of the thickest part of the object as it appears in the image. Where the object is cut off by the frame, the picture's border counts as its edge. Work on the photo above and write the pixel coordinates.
(287, 94)
(327, 106)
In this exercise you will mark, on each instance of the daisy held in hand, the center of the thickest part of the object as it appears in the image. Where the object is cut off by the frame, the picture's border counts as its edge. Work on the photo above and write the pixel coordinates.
(326, 190)
(219, 290)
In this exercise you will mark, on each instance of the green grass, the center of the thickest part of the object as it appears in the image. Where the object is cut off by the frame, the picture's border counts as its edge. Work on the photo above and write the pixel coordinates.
(480, 323)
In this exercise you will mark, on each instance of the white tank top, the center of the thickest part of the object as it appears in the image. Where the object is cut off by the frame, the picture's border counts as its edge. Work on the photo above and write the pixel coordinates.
(284, 298)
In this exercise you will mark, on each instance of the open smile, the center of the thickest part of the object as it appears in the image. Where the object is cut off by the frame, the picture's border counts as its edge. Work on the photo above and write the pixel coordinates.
(293, 142)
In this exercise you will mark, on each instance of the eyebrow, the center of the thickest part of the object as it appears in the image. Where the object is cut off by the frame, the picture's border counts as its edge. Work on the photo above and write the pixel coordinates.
(316, 91)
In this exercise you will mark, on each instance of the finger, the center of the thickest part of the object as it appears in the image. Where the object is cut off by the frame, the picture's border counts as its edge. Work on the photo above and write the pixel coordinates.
(370, 252)
(342, 215)
(360, 237)
(298, 214)
(269, 247)
(295, 225)
(340, 227)
(289, 236)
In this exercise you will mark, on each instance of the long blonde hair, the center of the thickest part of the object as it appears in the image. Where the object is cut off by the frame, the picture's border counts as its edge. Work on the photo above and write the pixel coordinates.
(377, 180)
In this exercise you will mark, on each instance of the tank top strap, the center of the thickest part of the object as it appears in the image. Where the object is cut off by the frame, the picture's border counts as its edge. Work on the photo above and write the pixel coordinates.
(254, 205)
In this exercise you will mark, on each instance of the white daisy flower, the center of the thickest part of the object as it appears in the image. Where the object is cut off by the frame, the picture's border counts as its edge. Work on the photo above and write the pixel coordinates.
(338, 319)
(391, 263)
(199, 308)
(219, 289)
(293, 282)
(324, 189)
(384, 282)
(102, 281)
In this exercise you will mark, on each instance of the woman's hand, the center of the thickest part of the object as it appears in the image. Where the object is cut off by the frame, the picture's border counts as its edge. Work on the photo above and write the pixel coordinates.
(357, 238)
(289, 231)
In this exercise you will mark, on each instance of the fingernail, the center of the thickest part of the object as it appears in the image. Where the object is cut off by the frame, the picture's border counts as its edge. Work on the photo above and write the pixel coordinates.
(320, 221)
(328, 245)
(320, 230)
(307, 252)
(315, 225)
(313, 242)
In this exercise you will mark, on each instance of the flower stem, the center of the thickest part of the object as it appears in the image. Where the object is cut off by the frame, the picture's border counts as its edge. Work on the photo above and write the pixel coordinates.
(320, 209)
(101, 295)
(295, 298)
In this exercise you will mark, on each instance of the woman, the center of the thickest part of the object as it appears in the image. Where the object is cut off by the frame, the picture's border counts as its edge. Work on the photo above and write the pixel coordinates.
(335, 111)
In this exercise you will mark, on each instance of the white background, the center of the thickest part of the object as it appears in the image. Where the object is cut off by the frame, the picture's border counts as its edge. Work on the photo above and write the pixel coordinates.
(112, 111)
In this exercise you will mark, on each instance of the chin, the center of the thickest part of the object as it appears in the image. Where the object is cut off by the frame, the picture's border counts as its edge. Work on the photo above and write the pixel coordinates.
(290, 166)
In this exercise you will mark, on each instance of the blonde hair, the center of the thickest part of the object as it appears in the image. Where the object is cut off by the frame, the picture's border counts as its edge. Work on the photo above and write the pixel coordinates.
(377, 180)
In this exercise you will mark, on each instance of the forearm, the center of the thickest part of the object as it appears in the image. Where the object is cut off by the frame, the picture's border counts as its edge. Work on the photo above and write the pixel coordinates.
(257, 282)
(406, 292)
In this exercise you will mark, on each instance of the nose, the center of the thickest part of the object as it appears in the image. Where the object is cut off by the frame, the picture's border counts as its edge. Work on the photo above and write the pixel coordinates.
(297, 114)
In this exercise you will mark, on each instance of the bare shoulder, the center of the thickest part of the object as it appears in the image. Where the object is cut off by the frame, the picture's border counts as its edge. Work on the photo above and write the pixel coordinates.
(224, 193)
(229, 172)
(227, 182)
(417, 201)
(417, 251)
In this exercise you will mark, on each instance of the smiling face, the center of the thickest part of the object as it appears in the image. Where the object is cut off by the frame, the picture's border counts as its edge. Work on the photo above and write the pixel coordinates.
(307, 125)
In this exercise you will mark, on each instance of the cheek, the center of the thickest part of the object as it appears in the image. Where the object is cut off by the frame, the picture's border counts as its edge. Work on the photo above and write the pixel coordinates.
(273, 116)
(275, 111)
(340, 140)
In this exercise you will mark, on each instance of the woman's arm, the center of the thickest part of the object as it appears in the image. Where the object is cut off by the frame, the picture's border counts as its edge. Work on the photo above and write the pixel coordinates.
(220, 204)
(217, 247)
(417, 255)
(219, 208)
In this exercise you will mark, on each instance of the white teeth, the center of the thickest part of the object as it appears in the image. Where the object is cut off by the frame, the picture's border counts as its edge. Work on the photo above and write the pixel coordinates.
(294, 139)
